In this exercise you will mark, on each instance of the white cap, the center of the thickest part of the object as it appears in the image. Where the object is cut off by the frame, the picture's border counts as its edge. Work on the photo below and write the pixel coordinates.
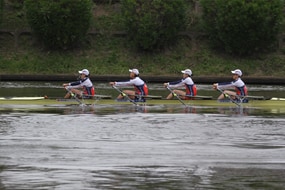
(84, 71)
(237, 72)
(187, 71)
(134, 71)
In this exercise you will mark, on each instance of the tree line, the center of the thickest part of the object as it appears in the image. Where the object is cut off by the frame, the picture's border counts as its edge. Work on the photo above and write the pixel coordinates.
(237, 27)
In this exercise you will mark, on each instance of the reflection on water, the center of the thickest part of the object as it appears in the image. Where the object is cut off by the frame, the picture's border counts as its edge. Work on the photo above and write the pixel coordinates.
(130, 108)
(130, 147)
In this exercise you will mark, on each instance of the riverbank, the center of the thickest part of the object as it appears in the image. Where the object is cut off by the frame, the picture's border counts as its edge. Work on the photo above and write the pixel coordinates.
(108, 55)
(149, 79)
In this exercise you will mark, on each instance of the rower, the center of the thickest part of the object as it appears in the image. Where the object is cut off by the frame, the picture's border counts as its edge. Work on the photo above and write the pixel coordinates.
(83, 88)
(140, 91)
(240, 87)
(186, 81)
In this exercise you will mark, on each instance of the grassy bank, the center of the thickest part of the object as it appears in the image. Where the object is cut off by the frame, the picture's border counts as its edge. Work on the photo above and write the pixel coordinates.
(108, 54)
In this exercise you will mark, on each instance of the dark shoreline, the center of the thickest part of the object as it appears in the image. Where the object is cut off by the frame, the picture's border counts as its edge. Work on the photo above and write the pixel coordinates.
(149, 79)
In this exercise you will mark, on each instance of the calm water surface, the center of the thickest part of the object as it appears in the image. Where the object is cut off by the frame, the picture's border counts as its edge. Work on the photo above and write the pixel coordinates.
(129, 147)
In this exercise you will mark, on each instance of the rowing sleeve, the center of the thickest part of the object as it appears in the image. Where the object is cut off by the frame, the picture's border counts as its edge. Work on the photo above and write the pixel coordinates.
(188, 83)
(138, 83)
(133, 82)
(238, 84)
(86, 84)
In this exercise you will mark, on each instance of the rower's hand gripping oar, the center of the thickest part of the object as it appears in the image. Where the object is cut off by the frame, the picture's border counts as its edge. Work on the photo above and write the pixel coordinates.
(175, 95)
(228, 96)
(124, 95)
(74, 96)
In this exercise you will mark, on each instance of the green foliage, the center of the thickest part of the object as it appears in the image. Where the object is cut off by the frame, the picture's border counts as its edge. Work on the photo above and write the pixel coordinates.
(113, 55)
(105, 1)
(153, 24)
(59, 24)
(242, 27)
(1, 4)
(1, 9)
(15, 4)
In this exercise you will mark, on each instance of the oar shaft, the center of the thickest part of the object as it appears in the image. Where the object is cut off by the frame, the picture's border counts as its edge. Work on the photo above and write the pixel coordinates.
(74, 96)
(174, 94)
(228, 96)
(124, 95)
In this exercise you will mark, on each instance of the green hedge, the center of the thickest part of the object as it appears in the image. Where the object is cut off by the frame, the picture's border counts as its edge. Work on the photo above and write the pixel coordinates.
(106, 1)
(15, 4)
(1, 10)
(153, 24)
(59, 24)
(242, 27)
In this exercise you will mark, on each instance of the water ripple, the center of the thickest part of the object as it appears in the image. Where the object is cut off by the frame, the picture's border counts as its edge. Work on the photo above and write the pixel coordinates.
(136, 150)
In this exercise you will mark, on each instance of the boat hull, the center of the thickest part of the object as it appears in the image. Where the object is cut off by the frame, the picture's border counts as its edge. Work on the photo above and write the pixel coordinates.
(272, 103)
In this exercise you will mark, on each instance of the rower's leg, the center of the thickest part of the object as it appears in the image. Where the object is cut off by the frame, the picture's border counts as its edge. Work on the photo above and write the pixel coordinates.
(77, 92)
(181, 94)
(231, 93)
(178, 93)
(170, 96)
(67, 95)
(129, 93)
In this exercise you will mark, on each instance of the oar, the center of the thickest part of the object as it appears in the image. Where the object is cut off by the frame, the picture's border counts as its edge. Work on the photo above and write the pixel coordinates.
(199, 97)
(98, 96)
(150, 96)
(228, 96)
(274, 98)
(175, 95)
(74, 96)
(124, 95)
